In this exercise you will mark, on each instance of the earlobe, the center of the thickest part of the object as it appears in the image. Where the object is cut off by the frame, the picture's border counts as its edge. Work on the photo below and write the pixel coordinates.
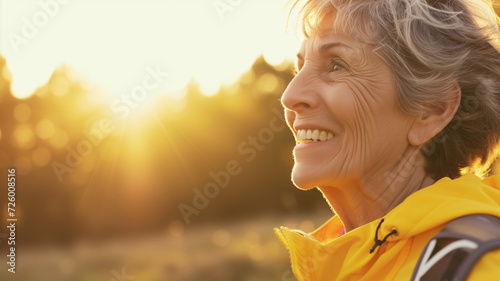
(428, 125)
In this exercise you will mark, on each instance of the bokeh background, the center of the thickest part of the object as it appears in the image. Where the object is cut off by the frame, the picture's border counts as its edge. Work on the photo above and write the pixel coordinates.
(104, 168)
(116, 182)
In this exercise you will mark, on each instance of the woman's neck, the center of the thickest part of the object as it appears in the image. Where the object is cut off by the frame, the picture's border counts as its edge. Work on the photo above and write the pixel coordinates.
(360, 202)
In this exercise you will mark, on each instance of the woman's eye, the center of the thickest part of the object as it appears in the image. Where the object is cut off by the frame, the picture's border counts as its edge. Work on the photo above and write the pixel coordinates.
(336, 66)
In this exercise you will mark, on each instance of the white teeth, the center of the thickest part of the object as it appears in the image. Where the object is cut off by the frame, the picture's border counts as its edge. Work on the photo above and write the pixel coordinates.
(323, 136)
(301, 135)
(315, 135)
(310, 135)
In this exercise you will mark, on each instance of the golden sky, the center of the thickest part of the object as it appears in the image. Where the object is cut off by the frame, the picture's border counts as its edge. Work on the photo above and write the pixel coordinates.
(113, 42)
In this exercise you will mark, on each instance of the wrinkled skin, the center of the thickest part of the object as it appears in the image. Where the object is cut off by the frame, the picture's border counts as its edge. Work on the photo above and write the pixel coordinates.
(349, 90)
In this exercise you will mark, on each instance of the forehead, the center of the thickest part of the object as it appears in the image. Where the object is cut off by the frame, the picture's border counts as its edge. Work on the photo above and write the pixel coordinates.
(330, 35)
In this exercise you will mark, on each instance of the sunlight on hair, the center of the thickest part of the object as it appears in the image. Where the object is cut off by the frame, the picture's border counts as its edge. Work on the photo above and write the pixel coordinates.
(485, 17)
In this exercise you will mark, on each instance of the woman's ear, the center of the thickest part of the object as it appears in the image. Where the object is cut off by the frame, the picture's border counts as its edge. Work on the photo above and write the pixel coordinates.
(426, 126)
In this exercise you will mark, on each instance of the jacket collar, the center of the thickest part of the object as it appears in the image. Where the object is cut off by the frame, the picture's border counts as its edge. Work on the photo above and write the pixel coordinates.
(324, 252)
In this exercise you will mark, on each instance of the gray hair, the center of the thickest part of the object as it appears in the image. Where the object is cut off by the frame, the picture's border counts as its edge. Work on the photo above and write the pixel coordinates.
(431, 45)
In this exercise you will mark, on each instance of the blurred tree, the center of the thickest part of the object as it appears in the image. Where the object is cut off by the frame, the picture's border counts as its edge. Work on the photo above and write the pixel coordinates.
(74, 183)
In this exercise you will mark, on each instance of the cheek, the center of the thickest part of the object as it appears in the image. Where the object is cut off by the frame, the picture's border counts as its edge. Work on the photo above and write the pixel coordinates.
(360, 109)
(352, 105)
(378, 128)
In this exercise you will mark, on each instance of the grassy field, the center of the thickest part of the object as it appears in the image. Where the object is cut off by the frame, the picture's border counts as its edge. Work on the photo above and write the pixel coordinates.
(244, 251)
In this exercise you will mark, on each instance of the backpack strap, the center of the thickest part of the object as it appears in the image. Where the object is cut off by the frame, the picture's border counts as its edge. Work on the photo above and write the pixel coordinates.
(452, 253)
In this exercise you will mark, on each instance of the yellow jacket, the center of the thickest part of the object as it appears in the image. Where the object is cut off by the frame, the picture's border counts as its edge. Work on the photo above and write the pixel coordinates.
(324, 256)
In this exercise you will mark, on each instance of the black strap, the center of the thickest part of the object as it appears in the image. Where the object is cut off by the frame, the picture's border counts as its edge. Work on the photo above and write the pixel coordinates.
(452, 253)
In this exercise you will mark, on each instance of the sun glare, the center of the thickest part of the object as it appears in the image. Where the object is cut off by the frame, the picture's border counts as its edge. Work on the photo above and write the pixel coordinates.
(112, 42)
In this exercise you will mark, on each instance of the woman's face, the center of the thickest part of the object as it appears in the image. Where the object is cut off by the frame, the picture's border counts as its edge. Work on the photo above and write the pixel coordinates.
(342, 108)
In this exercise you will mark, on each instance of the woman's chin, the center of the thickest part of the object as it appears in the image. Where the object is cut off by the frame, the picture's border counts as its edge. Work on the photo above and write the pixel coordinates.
(303, 180)
(307, 177)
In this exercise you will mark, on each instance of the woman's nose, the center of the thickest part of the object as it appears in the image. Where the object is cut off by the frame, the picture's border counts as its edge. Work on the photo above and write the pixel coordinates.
(299, 95)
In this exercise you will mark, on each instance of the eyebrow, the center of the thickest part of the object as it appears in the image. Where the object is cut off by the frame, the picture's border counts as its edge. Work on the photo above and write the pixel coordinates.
(325, 47)
(328, 46)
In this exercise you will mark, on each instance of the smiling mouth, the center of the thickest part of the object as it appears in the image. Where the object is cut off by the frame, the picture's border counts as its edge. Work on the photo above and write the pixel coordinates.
(306, 136)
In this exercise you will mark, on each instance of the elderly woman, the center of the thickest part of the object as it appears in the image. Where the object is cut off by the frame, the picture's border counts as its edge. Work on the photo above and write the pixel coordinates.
(395, 109)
